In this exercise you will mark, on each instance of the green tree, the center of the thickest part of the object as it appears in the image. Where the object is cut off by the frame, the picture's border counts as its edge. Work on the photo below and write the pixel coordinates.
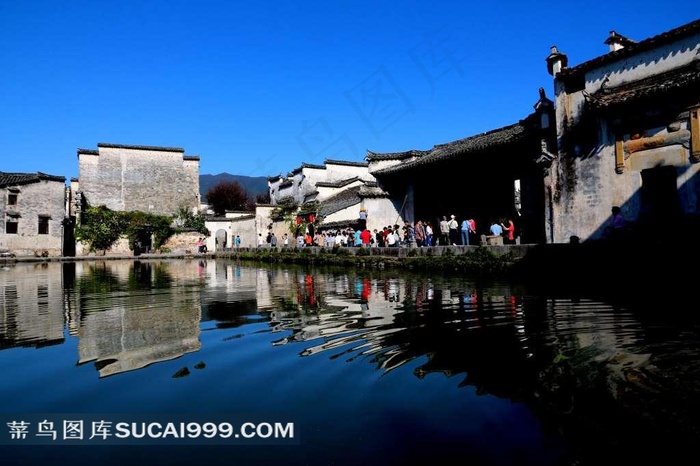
(100, 228)
(140, 225)
(185, 219)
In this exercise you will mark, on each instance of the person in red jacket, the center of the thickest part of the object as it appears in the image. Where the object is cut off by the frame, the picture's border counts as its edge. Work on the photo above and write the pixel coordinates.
(365, 237)
(509, 231)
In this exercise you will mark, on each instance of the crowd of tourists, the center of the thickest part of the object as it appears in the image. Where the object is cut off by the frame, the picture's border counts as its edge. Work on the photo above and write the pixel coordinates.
(420, 234)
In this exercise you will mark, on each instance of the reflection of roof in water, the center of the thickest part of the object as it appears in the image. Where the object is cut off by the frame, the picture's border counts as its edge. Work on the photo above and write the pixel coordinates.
(138, 358)
(141, 329)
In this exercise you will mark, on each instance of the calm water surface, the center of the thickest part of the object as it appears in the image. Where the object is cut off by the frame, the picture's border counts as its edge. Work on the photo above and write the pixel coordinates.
(373, 367)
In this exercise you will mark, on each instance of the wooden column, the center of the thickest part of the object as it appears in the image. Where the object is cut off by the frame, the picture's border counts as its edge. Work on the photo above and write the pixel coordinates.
(619, 155)
(695, 135)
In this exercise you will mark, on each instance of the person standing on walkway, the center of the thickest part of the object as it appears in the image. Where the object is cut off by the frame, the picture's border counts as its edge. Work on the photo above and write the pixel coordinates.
(428, 234)
(496, 229)
(453, 225)
(420, 234)
(444, 232)
(362, 221)
(472, 227)
(509, 230)
(464, 231)
(365, 237)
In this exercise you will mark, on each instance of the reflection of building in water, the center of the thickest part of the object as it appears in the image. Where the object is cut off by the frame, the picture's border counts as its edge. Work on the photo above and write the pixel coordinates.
(263, 284)
(607, 333)
(351, 309)
(454, 327)
(140, 326)
(230, 294)
(31, 305)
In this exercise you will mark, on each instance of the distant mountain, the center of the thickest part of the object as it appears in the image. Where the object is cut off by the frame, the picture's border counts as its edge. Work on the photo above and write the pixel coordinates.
(253, 185)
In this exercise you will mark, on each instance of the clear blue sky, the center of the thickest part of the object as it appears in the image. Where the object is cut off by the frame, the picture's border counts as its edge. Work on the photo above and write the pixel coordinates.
(257, 88)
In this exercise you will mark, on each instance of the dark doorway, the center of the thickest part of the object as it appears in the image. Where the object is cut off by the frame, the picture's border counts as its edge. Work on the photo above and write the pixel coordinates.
(142, 243)
(660, 209)
(69, 237)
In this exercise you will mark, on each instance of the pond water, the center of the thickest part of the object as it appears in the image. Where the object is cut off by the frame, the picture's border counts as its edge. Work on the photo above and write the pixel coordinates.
(364, 367)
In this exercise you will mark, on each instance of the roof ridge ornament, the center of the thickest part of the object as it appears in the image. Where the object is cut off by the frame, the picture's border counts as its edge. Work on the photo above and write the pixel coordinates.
(618, 41)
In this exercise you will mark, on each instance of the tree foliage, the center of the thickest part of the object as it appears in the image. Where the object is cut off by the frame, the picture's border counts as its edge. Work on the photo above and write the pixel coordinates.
(142, 224)
(185, 219)
(263, 198)
(228, 195)
(101, 227)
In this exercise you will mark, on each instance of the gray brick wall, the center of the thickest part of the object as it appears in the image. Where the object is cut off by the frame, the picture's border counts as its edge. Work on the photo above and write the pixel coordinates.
(43, 198)
(129, 179)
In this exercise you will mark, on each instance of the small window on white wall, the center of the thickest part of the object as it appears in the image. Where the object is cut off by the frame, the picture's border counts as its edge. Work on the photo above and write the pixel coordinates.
(43, 225)
(11, 228)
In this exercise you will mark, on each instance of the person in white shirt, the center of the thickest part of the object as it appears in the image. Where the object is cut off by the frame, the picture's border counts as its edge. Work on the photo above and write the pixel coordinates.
(391, 240)
(428, 235)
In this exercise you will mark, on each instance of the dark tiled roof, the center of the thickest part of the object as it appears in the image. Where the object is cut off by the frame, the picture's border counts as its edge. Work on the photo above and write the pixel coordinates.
(635, 48)
(274, 178)
(308, 165)
(214, 218)
(615, 38)
(153, 148)
(286, 183)
(373, 156)
(338, 225)
(372, 191)
(310, 194)
(653, 86)
(12, 179)
(497, 137)
(336, 184)
(346, 162)
(340, 201)
(88, 151)
(190, 157)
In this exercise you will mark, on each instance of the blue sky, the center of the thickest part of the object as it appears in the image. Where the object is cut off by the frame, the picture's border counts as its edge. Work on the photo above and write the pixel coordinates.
(257, 88)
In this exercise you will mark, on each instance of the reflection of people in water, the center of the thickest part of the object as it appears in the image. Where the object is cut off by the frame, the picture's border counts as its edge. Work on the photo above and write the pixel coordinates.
(393, 291)
(366, 289)
(201, 266)
(309, 282)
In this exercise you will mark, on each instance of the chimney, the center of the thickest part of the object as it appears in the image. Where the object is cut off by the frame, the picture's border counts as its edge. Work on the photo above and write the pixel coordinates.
(617, 41)
(556, 61)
